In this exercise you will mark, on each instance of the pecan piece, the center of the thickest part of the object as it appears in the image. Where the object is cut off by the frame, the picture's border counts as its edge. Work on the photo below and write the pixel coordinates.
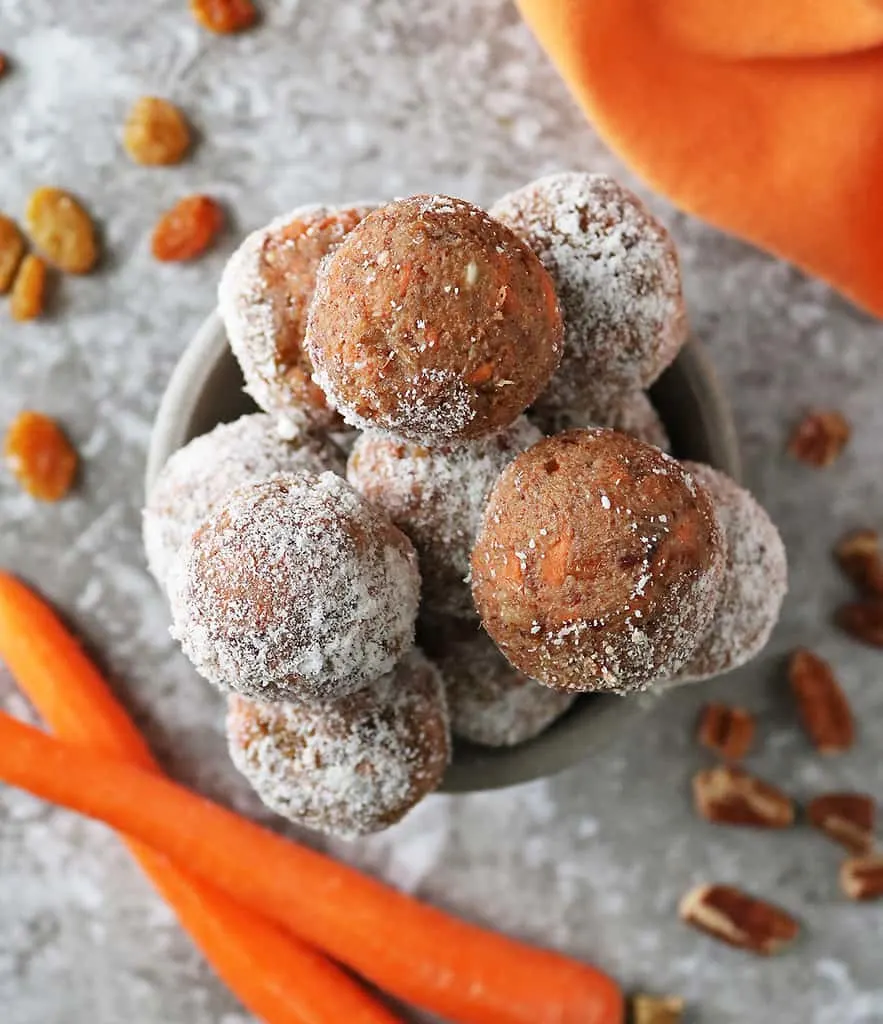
(726, 730)
(821, 703)
(861, 878)
(819, 438)
(657, 1009)
(847, 818)
(859, 556)
(740, 920)
(730, 796)
(863, 620)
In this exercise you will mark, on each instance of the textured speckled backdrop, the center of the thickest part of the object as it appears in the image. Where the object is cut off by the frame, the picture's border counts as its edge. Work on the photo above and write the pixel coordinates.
(375, 97)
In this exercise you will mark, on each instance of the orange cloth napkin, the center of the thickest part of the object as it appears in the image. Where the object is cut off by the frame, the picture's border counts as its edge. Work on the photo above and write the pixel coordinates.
(764, 117)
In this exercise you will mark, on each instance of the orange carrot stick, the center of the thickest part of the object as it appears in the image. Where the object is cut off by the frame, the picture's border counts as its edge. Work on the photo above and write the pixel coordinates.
(276, 976)
(420, 954)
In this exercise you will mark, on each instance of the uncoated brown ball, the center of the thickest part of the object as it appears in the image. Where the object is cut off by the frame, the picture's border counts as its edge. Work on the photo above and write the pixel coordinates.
(599, 562)
(434, 322)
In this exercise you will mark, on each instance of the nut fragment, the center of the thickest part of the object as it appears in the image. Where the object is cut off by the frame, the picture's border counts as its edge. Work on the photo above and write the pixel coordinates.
(224, 16)
(861, 878)
(728, 731)
(859, 556)
(821, 703)
(187, 230)
(155, 133)
(819, 438)
(12, 248)
(730, 796)
(657, 1009)
(29, 289)
(62, 230)
(734, 917)
(862, 620)
(847, 818)
(40, 456)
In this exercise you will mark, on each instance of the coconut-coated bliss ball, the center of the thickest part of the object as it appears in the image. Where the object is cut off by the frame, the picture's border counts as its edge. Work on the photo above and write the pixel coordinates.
(631, 413)
(352, 765)
(617, 276)
(263, 297)
(754, 585)
(295, 588)
(434, 322)
(436, 496)
(598, 564)
(201, 473)
(489, 702)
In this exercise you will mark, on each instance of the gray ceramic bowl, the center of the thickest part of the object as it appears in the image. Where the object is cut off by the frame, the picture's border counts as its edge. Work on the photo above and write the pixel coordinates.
(206, 389)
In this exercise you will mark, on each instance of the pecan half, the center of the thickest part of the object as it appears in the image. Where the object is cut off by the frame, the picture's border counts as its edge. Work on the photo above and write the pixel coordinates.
(821, 703)
(861, 878)
(859, 556)
(730, 796)
(657, 1009)
(863, 620)
(820, 437)
(728, 731)
(847, 818)
(740, 920)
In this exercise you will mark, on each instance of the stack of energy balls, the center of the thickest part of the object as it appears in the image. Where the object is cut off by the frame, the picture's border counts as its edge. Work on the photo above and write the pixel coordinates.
(506, 498)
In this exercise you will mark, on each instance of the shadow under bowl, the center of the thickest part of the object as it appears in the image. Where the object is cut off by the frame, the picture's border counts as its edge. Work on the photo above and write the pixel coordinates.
(206, 388)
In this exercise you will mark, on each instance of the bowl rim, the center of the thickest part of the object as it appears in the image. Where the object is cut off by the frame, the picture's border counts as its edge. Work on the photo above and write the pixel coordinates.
(473, 768)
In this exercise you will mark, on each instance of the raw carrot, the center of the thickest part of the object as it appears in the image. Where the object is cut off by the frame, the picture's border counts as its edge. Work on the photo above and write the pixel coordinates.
(420, 954)
(276, 976)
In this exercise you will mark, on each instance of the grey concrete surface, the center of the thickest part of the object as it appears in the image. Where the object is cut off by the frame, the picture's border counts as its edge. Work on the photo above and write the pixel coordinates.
(334, 100)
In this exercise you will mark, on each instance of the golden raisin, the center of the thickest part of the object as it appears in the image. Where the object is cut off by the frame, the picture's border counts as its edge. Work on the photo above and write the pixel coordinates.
(224, 16)
(188, 229)
(29, 289)
(40, 456)
(12, 248)
(155, 133)
(62, 230)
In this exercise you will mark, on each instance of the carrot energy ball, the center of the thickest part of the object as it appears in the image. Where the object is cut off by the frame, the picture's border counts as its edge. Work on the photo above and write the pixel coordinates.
(201, 473)
(632, 413)
(599, 561)
(264, 295)
(296, 589)
(434, 322)
(755, 580)
(489, 701)
(437, 497)
(348, 766)
(616, 272)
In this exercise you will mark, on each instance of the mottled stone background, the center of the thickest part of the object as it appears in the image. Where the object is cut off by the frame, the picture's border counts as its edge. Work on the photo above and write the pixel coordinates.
(335, 100)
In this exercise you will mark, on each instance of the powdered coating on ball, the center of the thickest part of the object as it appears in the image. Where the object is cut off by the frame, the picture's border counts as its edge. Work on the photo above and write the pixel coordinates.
(263, 298)
(437, 497)
(598, 564)
(632, 413)
(616, 272)
(489, 701)
(754, 585)
(434, 322)
(206, 469)
(295, 588)
(351, 766)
